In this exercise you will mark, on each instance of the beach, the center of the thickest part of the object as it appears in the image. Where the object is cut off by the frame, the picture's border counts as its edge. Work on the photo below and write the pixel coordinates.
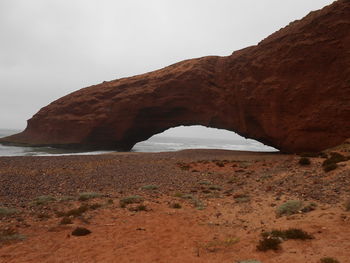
(195, 206)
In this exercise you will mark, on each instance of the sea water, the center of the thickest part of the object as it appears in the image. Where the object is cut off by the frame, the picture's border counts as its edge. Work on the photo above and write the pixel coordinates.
(157, 143)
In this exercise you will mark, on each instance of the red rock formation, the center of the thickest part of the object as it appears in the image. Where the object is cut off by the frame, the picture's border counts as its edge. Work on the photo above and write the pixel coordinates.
(291, 91)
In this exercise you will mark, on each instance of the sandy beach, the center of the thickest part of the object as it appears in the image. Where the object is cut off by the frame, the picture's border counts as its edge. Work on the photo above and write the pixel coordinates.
(186, 206)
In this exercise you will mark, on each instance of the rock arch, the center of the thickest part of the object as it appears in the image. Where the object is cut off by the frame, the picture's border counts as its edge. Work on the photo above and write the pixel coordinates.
(291, 91)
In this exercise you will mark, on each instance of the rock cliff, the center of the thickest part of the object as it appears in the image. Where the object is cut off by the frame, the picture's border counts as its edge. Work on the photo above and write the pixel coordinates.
(291, 91)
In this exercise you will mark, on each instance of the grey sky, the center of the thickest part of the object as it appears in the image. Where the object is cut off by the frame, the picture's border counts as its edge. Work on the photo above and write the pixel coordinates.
(49, 48)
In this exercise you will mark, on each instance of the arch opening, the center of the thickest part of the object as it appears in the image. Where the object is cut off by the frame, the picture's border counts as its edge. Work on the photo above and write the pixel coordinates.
(199, 137)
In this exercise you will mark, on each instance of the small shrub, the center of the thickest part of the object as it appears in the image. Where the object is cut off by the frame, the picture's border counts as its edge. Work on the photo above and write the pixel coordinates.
(331, 163)
(216, 244)
(329, 260)
(66, 221)
(241, 198)
(176, 206)
(295, 233)
(130, 200)
(269, 244)
(88, 195)
(289, 208)
(67, 198)
(138, 208)
(337, 157)
(292, 233)
(10, 234)
(81, 231)
(304, 161)
(7, 211)
(330, 167)
(178, 194)
(149, 187)
(43, 200)
(74, 212)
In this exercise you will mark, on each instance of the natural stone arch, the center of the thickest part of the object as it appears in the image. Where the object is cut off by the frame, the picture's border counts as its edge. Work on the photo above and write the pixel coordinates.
(291, 91)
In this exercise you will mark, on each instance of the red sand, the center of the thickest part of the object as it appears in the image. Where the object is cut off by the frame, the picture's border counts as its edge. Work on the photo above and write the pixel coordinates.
(213, 225)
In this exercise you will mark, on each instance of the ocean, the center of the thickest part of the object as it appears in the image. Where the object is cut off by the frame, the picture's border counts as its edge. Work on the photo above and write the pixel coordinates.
(157, 143)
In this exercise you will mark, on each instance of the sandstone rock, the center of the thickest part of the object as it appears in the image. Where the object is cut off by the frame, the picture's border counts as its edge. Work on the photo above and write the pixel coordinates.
(291, 91)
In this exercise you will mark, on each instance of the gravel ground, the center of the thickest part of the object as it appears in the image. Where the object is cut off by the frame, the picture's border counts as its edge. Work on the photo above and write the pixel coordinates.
(24, 178)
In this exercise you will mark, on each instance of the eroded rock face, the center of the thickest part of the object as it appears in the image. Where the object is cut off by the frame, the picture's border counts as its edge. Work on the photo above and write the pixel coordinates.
(291, 91)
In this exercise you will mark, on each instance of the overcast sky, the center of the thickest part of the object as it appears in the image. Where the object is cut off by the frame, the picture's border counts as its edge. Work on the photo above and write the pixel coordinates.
(49, 48)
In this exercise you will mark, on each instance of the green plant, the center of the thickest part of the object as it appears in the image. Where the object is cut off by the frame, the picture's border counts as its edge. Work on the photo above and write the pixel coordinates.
(241, 198)
(149, 187)
(178, 194)
(176, 206)
(304, 161)
(268, 243)
(88, 195)
(289, 208)
(81, 231)
(329, 260)
(10, 234)
(7, 211)
(133, 199)
(43, 200)
(67, 198)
